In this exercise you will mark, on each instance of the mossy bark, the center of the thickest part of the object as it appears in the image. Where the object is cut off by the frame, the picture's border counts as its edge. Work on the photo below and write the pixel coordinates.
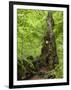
(48, 52)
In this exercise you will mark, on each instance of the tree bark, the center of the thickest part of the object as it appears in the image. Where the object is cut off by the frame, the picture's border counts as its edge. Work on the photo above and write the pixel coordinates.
(48, 52)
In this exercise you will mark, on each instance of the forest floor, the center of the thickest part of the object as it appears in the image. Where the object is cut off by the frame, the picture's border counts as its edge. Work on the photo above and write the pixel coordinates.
(42, 70)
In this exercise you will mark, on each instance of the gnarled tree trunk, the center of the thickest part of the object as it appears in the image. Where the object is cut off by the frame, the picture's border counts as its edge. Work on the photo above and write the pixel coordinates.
(48, 52)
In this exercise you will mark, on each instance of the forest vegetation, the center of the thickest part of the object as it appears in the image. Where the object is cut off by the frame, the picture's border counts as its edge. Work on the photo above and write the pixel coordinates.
(39, 44)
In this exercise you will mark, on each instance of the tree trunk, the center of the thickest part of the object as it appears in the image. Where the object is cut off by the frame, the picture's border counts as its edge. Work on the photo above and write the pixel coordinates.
(48, 52)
